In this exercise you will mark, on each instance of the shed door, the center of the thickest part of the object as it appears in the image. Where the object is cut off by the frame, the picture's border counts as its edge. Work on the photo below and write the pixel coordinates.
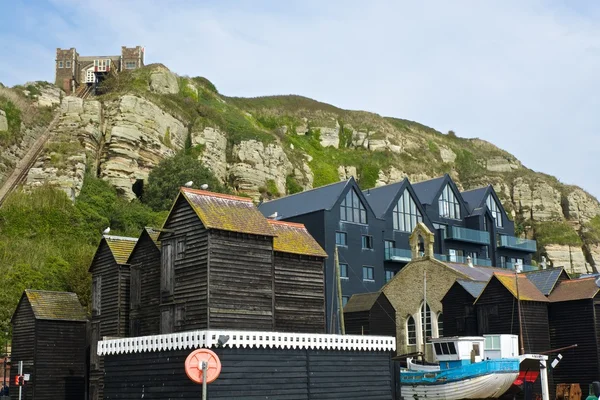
(167, 269)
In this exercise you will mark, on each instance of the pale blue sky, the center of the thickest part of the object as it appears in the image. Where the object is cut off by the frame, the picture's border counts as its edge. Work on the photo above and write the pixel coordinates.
(520, 74)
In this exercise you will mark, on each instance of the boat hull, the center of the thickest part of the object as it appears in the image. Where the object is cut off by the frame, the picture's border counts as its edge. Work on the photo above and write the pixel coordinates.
(483, 380)
(481, 387)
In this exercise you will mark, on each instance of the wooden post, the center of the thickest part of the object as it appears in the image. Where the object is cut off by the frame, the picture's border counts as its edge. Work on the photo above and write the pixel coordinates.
(424, 316)
(204, 371)
(522, 350)
(339, 289)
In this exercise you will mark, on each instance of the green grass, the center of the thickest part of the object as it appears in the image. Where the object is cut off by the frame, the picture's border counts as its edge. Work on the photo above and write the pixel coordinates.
(556, 232)
(13, 117)
(291, 185)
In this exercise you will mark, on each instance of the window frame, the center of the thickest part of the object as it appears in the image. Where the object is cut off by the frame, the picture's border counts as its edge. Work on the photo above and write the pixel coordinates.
(352, 209)
(344, 271)
(366, 242)
(495, 209)
(67, 64)
(345, 300)
(61, 64)
(411, 334)
(404, 220)
(440, 323)
(341, 234)
(367, 269)
(448, 203)
(391, 277)
(130, 65)
(426, 320)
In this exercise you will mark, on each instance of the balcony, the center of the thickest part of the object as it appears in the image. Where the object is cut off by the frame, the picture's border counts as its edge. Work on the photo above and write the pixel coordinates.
(401, 255)
(515, 243)
(481, 262)
(526, 267)
(468, 235)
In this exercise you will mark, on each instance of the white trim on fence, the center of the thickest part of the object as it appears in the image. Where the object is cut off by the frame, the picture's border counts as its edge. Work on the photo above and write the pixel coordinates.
(280, 340)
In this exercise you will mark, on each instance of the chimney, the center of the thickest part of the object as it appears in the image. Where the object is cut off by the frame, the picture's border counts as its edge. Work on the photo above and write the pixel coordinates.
(543, 263)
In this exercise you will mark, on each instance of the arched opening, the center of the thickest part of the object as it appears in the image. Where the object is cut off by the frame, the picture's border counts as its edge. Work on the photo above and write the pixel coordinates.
(440, 324)
(426, 322)
(138, 188)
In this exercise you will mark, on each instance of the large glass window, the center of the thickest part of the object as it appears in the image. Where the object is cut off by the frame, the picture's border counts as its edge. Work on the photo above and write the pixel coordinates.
(426, 320)
(341, 239)
(389, 248)
(344, 271)
(367, 242)
(495, 209)
(352, 209)
(368, 274)
(449, 205)
(389, 274)
(406, 215)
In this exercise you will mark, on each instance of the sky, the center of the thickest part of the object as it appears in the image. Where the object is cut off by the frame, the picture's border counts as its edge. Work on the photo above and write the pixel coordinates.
(524, 75)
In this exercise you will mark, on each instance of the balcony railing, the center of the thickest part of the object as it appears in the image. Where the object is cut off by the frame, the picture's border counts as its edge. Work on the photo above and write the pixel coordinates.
(481, 262)
(468, 235)
(525, 267)
(402, 255)
(516, 243)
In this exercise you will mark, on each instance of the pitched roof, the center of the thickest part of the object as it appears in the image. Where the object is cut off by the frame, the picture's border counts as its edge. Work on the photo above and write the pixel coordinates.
(545, 279)
(575, 289)
(227, 213)
(472, 287)
(475, 273)
(381, 197)
(49, 305)
(120, 247)
(294, 238)
(427, 190)
(361, 302)
(152, 234)
(321, 198)
(475, 198)
(527, 290)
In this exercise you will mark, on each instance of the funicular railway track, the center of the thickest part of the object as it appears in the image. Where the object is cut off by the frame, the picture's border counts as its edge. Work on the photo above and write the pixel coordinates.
(24, 165)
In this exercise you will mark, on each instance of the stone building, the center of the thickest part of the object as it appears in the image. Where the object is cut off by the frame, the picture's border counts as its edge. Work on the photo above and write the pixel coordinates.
(74, 71)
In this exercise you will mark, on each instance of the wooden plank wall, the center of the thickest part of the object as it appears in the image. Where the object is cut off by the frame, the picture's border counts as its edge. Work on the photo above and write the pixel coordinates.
(357, 323)
(383, 317)
(572, 322)
(145, 318)
(60, 360)
(241, 281)
(190, 280)
(460, 318)
(253, 374)
(299, 294)
(23, 347)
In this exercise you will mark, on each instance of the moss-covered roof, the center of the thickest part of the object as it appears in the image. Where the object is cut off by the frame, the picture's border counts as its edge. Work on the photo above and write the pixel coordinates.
(575, 289)
(361, 302)
(228, 213)
(527, 290)
(63, 306)
(121, 247)
(294, 238)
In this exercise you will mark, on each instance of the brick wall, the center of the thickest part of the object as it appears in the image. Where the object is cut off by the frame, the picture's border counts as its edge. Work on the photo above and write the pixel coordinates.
(66, 68)
(405, 292)
(132, 55)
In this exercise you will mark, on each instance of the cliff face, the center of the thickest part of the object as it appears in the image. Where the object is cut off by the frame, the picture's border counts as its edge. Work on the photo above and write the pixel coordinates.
(272, 146)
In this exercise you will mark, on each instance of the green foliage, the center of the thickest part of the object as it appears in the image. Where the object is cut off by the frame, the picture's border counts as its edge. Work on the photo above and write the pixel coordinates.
(556, 232)
(272, 188)
(13, 117)
(467, 166)
(171, 174)
(591, 230)
(290, 103)
(167, 139)
(433, 147)
(47, 241)
(291, 185)
(187, 91)
(33, 90)
(345, 137)
(200, 80)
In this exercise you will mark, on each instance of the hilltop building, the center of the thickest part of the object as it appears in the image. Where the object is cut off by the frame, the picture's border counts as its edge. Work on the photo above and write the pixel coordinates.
(75, 72)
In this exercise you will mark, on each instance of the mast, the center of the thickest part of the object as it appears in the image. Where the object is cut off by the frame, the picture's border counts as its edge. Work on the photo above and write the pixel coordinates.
(424, 318)
(339, 290)
(519, 312)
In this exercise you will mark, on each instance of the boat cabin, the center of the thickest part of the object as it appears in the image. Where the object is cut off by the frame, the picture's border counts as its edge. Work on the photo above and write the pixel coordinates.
(454, 352)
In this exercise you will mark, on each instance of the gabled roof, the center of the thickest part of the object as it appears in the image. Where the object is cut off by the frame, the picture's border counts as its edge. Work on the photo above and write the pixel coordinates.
(472, 287)
(475, 273)
(381, 198)
(427, 190)
(545, 279)
(149, 232)
(59, 306)
(527, 290)
(120, 247)
(321, 198)
(475, 198)
(294, 238)
(227, 213)
(361, 302)
(575, 289)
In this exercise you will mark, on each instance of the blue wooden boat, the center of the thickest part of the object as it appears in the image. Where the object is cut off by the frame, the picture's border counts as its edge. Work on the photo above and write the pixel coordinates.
(463, 372)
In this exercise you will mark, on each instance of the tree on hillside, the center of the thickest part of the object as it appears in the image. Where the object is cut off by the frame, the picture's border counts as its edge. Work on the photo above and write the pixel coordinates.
(171, 174)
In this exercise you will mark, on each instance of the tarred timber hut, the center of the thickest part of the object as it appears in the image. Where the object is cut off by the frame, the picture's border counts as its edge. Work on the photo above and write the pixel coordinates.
(575, 319)
(144, 261)
(370, 314)
(460, 317)
(110, 300)
(299, 279)
(49, 337)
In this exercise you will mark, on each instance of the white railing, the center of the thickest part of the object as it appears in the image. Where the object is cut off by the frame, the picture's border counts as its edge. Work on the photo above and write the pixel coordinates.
(245, 339)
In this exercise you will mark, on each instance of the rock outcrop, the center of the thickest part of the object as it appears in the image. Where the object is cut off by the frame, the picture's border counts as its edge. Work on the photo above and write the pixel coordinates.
(214, 153)
(163, 81)
(570, 257)
(537, 200)
(580, 206)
